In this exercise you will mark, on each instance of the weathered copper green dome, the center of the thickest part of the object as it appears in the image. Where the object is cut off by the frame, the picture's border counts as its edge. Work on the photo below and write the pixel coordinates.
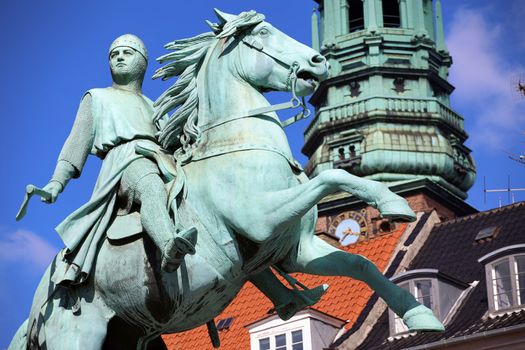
(384, 112)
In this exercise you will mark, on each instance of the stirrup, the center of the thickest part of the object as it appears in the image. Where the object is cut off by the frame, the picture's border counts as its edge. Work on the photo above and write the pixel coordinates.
(186, 240)
(182, 244)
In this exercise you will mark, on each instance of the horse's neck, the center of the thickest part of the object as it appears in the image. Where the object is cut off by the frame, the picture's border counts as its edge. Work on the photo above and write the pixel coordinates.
(224, 99)
(223, 95)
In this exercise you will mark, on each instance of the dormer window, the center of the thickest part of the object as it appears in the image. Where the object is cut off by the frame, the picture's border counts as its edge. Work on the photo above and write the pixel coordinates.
(505, 274)
(431, 288)
(309, 329)
(289, 340)
(423, 290)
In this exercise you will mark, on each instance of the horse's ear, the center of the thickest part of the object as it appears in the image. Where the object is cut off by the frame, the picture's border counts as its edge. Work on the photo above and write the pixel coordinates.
(223, 16)
(216, 28)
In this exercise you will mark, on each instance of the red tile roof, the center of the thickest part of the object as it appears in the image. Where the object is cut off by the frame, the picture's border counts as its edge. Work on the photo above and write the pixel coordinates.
(345, 299)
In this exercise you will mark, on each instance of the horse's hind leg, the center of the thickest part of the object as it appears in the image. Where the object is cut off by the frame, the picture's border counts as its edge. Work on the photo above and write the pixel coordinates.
(287, 302)
(84, 331)
(317, 257)
(19, 341)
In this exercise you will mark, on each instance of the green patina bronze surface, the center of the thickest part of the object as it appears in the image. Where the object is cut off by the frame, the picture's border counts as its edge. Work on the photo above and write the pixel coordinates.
(226, 173)
(384, 111)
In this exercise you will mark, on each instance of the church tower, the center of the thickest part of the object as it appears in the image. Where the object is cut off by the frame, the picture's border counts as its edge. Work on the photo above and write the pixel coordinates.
(384, 111)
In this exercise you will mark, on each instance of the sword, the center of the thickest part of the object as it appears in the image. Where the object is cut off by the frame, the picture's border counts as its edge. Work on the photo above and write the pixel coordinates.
(30, 191)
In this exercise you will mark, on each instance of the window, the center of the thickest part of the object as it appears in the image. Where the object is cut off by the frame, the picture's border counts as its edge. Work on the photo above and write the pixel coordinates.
(264, 344)
(391, 18)
(280, 342)
(437, 291)
(308, 329)
(285, 341)
(355, 15)
(224, 323)
(422, 290)
(297, 340)
(487, 234)
(506, 282)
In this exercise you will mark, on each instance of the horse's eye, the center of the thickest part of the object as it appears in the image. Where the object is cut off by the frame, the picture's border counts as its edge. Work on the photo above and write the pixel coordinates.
(264, 32)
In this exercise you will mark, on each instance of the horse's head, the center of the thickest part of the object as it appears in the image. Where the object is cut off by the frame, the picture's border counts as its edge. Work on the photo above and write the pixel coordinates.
(224, 73)
(267, 58)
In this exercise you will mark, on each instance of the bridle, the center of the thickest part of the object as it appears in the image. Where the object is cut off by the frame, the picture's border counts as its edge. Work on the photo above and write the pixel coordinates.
(291, 81)
(187, 154)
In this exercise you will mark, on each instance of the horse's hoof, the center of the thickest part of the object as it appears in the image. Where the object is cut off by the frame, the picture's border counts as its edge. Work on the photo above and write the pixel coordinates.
(301, 299)
(396, 209)
(422, 319)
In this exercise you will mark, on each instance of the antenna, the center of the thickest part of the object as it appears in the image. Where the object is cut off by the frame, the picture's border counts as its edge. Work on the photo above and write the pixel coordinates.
(519, 159)
(518, 87)
(510, 191)
(518, 84)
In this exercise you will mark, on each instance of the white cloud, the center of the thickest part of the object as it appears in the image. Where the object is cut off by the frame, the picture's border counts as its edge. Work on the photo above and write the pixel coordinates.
(483, 80)
(26, 246)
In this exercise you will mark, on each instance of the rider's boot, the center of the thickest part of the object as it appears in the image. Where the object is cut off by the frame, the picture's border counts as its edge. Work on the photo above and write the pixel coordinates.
(172, 243)
(174, 251)
(299, 300)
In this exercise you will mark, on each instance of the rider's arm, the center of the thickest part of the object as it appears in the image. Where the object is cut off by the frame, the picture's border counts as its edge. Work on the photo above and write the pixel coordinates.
(76, 148)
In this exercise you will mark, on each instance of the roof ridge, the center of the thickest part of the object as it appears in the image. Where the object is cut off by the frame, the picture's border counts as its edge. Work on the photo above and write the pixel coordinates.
(482, 213)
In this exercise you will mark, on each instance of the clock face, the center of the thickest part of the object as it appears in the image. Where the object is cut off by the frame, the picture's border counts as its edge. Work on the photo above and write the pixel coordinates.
(349, 227)
(348, 231)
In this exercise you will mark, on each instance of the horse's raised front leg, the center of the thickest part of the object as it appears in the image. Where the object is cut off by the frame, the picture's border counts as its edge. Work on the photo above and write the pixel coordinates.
(314, 256)
(280, 208)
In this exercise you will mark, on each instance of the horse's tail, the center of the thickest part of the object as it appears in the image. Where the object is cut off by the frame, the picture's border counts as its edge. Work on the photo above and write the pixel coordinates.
(19, 341)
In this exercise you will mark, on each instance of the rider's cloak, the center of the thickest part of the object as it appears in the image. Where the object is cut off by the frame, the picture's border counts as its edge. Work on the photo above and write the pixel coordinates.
(118, 120)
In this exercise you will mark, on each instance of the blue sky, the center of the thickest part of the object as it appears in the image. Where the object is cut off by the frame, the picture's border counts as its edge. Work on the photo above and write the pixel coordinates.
(53, 51)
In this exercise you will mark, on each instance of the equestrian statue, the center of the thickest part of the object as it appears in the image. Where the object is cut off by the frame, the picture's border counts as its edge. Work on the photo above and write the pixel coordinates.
(188, 207)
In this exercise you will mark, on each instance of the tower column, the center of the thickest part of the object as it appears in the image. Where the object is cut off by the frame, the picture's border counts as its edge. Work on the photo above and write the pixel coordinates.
(419, 17)
(411, 14)
(315, 30)
(345, 27)
(331, 21)
(379, 13)
(370, 10)
(403, 12)
(440, 35)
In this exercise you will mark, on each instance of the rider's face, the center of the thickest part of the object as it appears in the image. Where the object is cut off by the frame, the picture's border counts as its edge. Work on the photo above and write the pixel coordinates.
(125, 61)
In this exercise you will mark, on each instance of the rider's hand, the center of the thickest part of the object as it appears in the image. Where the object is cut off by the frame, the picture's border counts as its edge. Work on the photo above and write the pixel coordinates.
(53, 188)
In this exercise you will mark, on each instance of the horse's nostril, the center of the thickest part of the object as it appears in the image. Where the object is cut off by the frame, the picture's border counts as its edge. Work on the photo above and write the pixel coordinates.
(318, 59)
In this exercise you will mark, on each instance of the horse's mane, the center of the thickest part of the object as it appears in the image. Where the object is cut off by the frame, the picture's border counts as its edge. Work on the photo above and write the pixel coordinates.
(181, 129)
